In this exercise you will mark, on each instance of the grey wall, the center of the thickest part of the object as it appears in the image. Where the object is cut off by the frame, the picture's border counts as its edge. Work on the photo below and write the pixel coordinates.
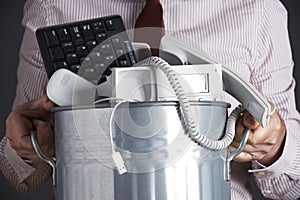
(293, 8)
(10, 37)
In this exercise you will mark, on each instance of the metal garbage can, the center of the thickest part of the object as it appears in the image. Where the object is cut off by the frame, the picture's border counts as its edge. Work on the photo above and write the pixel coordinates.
(162, 162)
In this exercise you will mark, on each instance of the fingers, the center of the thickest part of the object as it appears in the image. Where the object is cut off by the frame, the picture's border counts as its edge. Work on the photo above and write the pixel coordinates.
(32, 115)
(242, 157)
(46, 103)
(249, 121)
(16, 123)
(264, 144)
(247, 156)
(24, 148)
(256, 145)
(251, 152)
(45, 137)
(37, 109)
(21, 144)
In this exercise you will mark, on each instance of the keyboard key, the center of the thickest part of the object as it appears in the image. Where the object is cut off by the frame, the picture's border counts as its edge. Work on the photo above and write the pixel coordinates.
(128, 46)
(68, 47)
(76, 36)
(105, 47)
(123, 61)
(72, 59)
(110, 61)
(109, 57)
(91, 45)
(100, 37)
(116, 43)
(99, 67)
(109, 25)
(120, 52)
(64, 35)
(96, 56)
(130, 52)
(132, 59)
(82, 51)
(60, 65)
(56, 54)
(87, 61)
(75, 68)
(51, 38)
(87, 32)
(90, 74)
(98, 27)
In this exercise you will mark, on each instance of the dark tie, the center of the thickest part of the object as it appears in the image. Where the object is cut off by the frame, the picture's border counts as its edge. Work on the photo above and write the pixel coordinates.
(151, 16)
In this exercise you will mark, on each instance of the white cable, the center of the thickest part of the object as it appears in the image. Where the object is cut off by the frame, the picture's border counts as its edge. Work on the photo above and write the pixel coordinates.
(111, 122)
(117, 157)
(188, 117)
(112, 117)
(106, 99)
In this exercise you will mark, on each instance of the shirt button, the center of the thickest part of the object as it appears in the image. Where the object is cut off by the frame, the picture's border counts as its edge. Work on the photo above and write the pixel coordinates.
(261, 173)
(267, 191)
(23, 170)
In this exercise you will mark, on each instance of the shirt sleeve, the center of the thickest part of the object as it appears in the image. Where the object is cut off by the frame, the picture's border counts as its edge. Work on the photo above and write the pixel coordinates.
(273, 76)
(22, 169)
(32, 80)
(20, 175)
(31, 73)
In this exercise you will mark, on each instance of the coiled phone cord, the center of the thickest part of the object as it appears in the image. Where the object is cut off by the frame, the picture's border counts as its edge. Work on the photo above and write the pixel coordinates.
(188, 116)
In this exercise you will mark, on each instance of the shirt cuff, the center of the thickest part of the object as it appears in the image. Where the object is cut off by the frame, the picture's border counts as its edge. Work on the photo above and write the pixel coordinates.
(281, 165)
(22, 169)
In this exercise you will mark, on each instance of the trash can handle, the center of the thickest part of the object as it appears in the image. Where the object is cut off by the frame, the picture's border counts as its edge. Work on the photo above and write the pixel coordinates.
(45, 158)
(236, 153)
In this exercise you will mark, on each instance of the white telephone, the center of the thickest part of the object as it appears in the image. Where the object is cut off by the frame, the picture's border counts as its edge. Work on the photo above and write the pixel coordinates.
(193, 82)
(208, 74)
(239, 88)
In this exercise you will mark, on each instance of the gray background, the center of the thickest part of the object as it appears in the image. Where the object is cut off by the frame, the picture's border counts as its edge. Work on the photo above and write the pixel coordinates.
(10, 38)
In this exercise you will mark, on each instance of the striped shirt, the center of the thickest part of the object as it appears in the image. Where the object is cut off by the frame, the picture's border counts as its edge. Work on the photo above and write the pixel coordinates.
(251, 36)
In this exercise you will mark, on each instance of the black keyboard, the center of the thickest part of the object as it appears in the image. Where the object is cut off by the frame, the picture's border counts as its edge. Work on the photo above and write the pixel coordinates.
(89, 48)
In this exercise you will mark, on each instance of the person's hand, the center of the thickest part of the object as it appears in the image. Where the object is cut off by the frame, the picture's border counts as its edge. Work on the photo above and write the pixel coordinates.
(264, 144)
(37, 115)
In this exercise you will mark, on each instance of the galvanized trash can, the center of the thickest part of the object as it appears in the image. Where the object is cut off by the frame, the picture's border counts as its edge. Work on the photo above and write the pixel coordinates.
(162, 162)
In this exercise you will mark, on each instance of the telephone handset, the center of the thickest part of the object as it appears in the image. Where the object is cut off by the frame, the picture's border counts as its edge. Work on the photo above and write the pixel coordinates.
(235, 85)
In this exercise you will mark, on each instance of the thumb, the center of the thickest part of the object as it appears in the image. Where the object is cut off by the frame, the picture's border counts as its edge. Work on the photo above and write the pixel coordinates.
(46, 103)
(37, 108)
